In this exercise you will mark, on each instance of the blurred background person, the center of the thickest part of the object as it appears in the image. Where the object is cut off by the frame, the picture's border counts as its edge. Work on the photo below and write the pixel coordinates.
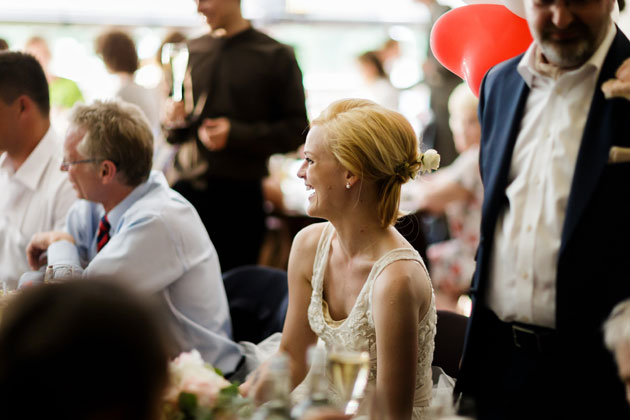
(388, 54)
(64, 93)
(34, 194)
(457, 192)
(3, 45)
(118, 52)
(248, 104)
(441, 83)
(376, 84)
(81, 350)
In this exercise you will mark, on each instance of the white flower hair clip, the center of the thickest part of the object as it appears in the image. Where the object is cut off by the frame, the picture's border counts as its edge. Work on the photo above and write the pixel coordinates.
(429, 161)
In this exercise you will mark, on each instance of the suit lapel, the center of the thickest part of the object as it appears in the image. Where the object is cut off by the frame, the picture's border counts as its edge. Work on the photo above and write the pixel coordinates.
(596, 141)
(498, 158)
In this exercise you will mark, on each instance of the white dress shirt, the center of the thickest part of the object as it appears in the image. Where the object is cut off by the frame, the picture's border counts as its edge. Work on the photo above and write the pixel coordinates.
(158, 246)
(528, 232)
(33, 199)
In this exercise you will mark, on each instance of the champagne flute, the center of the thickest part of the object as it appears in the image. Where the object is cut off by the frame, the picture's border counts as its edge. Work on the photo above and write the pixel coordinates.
(349, 371)
(175, 56)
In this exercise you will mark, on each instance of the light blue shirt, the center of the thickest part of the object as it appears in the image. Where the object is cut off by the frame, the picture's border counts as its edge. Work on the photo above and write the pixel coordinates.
(158, 245)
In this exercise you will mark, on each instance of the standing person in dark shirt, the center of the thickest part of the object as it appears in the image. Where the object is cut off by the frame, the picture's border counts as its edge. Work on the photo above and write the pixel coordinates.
(249, 103)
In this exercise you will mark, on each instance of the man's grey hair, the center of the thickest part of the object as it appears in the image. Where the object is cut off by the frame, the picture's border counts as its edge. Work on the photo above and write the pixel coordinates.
(617, 326)
(116, 131)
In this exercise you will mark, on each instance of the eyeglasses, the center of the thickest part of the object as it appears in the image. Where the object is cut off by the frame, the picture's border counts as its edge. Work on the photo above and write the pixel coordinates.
(66, 165)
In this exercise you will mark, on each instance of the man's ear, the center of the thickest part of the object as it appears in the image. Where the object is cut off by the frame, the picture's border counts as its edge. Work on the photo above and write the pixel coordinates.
(108, 171)
(25, 104)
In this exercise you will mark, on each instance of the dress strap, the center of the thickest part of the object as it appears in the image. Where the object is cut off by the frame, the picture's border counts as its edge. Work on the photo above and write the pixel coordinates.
(321, 257)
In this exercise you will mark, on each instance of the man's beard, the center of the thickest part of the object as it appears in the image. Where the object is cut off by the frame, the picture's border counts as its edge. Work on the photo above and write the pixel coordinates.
(571, 53)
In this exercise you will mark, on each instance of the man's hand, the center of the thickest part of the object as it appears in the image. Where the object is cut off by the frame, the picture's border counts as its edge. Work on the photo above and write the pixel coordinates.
(214, 132)
(40, 243)
(174, 114)
(620, 86)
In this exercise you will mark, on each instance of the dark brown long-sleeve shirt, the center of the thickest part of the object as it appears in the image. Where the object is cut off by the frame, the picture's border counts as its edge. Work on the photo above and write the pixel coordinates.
(256, 83)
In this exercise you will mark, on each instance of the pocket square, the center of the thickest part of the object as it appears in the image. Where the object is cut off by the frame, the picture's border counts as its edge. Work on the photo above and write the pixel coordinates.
(619, 154)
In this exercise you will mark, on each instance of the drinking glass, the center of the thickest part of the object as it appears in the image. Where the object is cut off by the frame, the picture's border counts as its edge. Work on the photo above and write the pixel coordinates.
(349, 371)
(175, 56)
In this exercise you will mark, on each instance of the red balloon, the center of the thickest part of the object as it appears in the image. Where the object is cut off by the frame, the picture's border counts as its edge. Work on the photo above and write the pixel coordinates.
(469, 40)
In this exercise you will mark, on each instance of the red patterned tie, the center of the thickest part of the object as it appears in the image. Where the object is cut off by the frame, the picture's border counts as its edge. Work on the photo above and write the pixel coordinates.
(103, 233)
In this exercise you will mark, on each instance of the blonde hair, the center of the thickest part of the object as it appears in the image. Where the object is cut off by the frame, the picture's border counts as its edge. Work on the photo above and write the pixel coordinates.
(377, 145)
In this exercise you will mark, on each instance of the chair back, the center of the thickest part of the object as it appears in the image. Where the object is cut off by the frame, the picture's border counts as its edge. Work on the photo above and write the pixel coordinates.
(258, 297)
(449, 341)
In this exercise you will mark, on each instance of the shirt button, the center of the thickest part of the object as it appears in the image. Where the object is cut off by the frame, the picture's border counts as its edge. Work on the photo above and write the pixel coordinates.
(529, 228)
(524, 275)
(536, 181)
(526, 320)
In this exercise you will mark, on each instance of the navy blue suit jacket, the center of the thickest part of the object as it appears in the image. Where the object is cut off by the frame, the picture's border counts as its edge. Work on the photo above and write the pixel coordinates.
(593, 266)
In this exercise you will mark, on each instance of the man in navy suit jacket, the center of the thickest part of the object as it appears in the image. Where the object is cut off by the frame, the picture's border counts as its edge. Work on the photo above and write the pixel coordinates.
(553, 254)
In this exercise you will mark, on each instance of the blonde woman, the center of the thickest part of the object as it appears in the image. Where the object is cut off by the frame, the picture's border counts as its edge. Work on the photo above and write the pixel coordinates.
(354, 281)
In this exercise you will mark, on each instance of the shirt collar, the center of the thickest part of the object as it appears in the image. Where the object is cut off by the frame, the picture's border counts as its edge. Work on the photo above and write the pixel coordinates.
(115, 215)
(32, 170)
(527, 70)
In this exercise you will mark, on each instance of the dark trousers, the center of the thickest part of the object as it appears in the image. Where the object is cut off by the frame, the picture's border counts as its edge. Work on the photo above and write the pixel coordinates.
(232, 212)
(542, 379)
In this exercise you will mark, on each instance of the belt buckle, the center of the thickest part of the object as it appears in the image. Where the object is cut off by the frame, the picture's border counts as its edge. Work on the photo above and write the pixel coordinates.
(517, 329)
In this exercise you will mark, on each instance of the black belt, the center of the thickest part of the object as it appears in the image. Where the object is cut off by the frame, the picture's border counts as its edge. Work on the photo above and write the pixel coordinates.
(525, 337)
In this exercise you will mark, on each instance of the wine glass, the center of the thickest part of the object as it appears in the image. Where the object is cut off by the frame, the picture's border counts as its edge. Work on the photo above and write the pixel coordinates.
(175, 57)
(349, 371)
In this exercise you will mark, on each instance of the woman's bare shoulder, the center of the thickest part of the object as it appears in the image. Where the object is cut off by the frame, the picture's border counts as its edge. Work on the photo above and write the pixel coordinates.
(404, 278)
(308, 237)
(303, 250)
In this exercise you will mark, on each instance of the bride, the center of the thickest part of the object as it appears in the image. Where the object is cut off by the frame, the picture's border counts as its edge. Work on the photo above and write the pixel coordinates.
(354, 281)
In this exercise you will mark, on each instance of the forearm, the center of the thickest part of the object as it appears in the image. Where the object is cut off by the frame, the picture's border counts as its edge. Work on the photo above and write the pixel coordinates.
(64, 261)
(266, 138)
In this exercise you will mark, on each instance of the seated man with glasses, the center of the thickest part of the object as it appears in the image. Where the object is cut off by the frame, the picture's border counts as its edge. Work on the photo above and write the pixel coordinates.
(130, 225)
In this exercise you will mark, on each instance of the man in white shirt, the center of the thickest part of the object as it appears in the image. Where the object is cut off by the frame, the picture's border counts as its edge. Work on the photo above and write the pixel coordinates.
(552, 259)
(34, 194)
(130, 226)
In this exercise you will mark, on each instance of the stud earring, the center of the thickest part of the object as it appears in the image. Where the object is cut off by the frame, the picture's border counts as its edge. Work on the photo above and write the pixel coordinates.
(347, 186)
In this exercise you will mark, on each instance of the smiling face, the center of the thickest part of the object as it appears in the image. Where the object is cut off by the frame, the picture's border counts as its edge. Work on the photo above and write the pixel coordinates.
(219, 14)
(323, 175)
(568, 31)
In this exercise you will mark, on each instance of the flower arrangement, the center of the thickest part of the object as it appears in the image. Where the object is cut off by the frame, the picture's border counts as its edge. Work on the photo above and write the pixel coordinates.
(197, 391)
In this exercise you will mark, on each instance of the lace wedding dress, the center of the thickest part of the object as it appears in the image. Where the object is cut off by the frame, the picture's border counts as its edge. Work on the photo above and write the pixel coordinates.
(357, 331)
